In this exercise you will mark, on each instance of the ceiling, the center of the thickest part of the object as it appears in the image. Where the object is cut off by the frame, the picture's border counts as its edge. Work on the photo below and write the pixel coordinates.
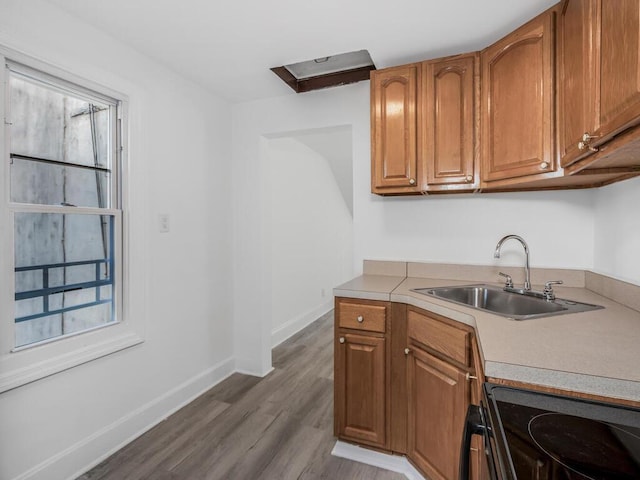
(228, 46)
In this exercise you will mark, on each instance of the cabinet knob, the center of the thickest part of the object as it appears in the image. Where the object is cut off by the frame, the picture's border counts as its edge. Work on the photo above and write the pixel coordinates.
(412, 181)
(360, 319)
(586, 138)
(341, 339)
(582, 146)
(469, 178)
(585, 144)
(470, 377)
(544, 165)
(407, 351)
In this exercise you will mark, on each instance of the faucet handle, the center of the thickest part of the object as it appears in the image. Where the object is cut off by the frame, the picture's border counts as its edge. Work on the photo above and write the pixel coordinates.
(548, 289)
(508, 282)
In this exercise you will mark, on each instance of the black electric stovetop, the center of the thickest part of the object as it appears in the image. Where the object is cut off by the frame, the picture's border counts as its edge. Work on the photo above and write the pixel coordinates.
(549, 437)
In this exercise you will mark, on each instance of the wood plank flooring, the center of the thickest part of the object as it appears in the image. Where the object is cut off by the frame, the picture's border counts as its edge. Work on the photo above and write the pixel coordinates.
(276, 427)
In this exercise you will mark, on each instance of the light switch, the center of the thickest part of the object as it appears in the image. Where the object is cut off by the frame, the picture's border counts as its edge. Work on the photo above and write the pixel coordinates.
(163, 223)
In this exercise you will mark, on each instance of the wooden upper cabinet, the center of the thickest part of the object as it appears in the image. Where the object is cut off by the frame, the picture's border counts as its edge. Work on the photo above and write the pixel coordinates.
(449, 121)
(577, 72)
(395, 165)
(563, 90)
(619, 66)
(598, 73)
(518, 102)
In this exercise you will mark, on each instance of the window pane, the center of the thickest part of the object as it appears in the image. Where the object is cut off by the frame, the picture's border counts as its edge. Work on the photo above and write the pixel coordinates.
(38, 329)
(51, 184)
(64, 274)
(53, 130)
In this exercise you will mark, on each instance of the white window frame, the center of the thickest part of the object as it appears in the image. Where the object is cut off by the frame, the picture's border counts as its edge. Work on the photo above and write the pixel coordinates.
(22, 365)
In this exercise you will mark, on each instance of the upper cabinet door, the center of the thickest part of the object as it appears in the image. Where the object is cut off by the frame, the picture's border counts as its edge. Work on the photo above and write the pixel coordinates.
(577, 77)
(394, 126)
(518, 102)
(449, 125)
(619, 65)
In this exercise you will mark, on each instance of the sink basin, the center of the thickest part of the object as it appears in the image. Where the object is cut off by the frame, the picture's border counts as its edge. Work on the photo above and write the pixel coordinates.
(512, 305)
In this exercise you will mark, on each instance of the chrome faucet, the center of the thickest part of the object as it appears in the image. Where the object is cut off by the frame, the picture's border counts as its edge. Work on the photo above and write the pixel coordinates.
(527, 274)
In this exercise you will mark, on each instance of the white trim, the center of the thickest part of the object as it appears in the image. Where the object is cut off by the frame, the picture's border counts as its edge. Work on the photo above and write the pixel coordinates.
(14, 375)
(34, 63)
(296, 324)
(98, 446)
(253, 374)
(394, 463)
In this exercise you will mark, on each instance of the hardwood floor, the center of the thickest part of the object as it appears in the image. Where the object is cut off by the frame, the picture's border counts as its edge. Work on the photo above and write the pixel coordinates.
(276, 427)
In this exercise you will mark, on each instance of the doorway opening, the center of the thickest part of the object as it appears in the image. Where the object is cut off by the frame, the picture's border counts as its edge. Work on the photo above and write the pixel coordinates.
(308, 215)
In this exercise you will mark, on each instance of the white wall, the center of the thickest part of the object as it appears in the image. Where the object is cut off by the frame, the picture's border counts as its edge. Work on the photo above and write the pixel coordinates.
(617, 227)
(311, 235)
(181, 280)
(334, 144)
(557, 225)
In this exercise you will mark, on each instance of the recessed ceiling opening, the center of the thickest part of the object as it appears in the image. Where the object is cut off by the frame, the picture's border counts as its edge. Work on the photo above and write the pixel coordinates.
(324, 72)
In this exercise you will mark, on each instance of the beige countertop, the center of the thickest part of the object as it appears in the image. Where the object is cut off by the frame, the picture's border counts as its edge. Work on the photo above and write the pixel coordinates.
(596, 352)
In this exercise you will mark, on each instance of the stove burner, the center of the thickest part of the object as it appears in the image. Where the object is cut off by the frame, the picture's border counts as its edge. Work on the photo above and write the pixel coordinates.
(589, 448)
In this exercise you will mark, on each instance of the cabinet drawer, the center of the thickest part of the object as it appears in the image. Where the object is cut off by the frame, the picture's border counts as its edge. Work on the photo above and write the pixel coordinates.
(371, 318)
(441, 337)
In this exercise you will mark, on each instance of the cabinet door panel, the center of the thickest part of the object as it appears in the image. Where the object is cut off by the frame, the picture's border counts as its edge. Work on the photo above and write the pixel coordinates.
(517, 102)
(576, 77)
(394, 157)
(360, 389)
(449, 124)
(438, 401)
(619, 65)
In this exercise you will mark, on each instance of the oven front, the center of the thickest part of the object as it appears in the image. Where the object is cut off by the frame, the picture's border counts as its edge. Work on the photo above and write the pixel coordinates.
(478, 423)
(532, 435)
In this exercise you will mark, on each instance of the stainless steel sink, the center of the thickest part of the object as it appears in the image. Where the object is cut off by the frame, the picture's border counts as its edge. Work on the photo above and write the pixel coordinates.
(512, 305)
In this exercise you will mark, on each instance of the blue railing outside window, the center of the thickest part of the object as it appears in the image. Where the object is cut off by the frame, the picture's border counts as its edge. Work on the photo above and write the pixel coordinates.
(47, 290)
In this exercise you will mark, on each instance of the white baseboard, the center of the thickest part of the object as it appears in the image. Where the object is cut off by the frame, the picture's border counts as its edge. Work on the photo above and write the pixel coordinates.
(394, 463)
(296, 324)
(95, 448)
(254, 374)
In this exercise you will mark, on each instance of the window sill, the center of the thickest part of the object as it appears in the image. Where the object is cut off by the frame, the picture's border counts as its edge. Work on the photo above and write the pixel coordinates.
(28, 365)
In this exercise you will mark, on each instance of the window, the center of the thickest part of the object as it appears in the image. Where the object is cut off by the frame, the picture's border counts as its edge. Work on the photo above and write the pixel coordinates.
(63, 195)
(63, 142)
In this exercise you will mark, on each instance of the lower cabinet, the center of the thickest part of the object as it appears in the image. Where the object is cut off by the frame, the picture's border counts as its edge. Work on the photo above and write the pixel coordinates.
(361, 365)
(438, 401)
(404, 379)
(360, 392)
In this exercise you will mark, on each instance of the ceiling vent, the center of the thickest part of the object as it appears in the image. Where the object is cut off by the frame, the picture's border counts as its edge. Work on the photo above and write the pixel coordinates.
(327, 72)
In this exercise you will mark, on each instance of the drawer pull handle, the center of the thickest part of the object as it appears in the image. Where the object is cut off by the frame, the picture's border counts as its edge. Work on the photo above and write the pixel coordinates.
(407, 351)
(341, 340)
(360, 319)
(470, 377)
